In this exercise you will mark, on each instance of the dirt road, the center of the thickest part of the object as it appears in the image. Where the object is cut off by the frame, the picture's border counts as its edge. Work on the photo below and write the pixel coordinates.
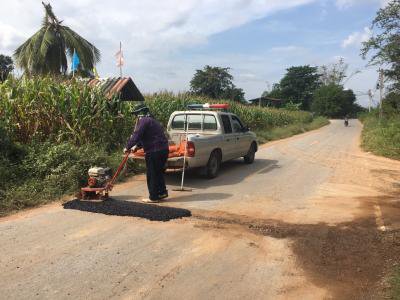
(312, 218)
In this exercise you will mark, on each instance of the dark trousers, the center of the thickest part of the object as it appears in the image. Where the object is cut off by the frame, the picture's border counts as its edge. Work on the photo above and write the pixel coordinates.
(155, 164)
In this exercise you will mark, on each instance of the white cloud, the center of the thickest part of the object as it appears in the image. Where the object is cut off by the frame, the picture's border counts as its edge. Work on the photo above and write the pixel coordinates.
(342, 4)
(385, 2)
(356, 38)
(347, 3)
(288, 49)
(152, 32)
(249, 76)
(9, 36)
(141, 25)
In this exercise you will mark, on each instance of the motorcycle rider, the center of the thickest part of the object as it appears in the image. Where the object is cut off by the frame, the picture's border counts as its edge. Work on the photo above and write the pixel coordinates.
(346, 121)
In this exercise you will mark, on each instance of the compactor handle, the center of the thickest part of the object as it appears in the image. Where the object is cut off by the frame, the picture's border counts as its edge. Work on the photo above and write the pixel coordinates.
(121, 166)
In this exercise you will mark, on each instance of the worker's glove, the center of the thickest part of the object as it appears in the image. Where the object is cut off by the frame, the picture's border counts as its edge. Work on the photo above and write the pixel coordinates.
(133, 149)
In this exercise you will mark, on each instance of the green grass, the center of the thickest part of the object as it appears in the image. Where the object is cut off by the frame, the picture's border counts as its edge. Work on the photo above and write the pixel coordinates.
(290, 130)
(381, 137)
(395, 284)
(41, 172)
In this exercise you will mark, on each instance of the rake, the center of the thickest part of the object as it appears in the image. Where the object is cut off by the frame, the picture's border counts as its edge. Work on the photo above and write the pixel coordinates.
(182, 188)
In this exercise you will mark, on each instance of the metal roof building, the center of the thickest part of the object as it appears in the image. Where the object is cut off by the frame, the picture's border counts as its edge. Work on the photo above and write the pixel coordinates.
(123, 87)
(267, 101)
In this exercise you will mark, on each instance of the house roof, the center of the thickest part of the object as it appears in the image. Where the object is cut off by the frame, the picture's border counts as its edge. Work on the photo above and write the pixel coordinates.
(124, 87)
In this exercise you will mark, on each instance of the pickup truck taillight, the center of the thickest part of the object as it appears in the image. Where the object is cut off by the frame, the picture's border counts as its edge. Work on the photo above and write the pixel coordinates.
(190, 149)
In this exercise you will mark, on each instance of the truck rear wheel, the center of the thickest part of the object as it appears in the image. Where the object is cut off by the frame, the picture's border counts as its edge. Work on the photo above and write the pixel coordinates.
(213, 165)
(251, 154)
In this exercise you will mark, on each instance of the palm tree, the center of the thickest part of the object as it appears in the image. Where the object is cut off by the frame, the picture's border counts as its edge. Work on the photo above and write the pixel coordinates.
(46, 51)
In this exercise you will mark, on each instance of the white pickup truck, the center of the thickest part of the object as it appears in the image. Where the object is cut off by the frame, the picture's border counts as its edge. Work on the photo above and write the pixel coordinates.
(213, 137)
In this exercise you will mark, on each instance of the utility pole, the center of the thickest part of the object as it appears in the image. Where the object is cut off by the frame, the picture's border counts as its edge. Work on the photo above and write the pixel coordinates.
(381, 83)
(370, 100)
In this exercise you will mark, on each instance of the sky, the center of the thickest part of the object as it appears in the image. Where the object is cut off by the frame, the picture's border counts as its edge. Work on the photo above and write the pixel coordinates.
(165, 42)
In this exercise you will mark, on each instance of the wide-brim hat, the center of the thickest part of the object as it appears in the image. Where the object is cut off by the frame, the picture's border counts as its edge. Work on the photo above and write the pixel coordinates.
(140, 109)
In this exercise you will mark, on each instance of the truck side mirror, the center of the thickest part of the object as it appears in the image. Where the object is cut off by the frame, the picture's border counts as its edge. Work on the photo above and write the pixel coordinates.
(245, 129)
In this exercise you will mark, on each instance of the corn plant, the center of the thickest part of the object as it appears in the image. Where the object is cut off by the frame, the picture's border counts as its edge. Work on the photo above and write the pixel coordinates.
(163, 104)
(47, 109)
(54, 110)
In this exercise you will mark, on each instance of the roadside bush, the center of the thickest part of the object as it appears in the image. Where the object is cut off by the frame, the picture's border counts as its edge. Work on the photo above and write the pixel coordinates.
(333, 101)
(49, 171)
(10, 157)
(391, 104)
(394, 292)
(292, 106)
(381, 136)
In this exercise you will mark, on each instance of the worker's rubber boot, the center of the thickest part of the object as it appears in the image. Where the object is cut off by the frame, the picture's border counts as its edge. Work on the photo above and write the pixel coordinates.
(163, 195)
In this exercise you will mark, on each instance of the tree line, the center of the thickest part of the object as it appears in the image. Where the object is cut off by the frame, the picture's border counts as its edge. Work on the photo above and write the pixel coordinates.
(311, 88)
(317, 89)
(321, 89)
(308, 88)
(383, 50)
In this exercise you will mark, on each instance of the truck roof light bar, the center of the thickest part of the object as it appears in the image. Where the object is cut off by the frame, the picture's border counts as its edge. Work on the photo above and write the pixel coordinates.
(208, 106)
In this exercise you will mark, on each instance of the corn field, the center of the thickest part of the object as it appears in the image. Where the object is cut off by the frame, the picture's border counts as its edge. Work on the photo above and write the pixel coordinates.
(48, 109)
(45, 109)
(163, 104)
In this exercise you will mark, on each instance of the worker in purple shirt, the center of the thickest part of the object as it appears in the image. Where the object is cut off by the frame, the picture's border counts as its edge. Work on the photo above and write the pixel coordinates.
(150, 135)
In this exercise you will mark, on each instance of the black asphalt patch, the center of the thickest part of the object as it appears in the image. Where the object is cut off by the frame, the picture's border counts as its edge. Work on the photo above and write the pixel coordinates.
(114, 207)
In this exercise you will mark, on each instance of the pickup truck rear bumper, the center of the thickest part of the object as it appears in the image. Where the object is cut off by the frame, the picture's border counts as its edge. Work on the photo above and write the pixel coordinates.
(176, 163)
(172, 162)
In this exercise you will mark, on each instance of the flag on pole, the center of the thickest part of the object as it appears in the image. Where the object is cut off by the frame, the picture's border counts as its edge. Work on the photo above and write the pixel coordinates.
(120, 58)
(75, 62)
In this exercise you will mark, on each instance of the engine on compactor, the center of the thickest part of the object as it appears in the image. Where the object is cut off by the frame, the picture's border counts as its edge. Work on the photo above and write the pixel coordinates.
(98, 177)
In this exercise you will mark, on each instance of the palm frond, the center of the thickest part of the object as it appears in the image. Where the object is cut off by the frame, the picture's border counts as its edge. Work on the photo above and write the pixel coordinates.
(89, 55)
(26, 56)
(46, 51)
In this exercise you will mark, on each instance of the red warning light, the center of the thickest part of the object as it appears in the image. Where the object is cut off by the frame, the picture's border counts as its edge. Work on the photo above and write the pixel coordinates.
(220, 106)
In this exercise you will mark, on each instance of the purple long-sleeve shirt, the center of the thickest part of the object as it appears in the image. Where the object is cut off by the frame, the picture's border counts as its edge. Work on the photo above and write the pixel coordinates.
(150, 134)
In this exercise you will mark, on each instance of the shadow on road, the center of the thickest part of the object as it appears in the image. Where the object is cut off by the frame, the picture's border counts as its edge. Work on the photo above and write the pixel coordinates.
(231, 172)
(192, 197)
(186, 196)
(114, 207)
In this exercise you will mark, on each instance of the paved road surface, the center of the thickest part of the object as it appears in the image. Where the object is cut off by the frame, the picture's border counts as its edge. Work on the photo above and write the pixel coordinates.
(261, 231)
